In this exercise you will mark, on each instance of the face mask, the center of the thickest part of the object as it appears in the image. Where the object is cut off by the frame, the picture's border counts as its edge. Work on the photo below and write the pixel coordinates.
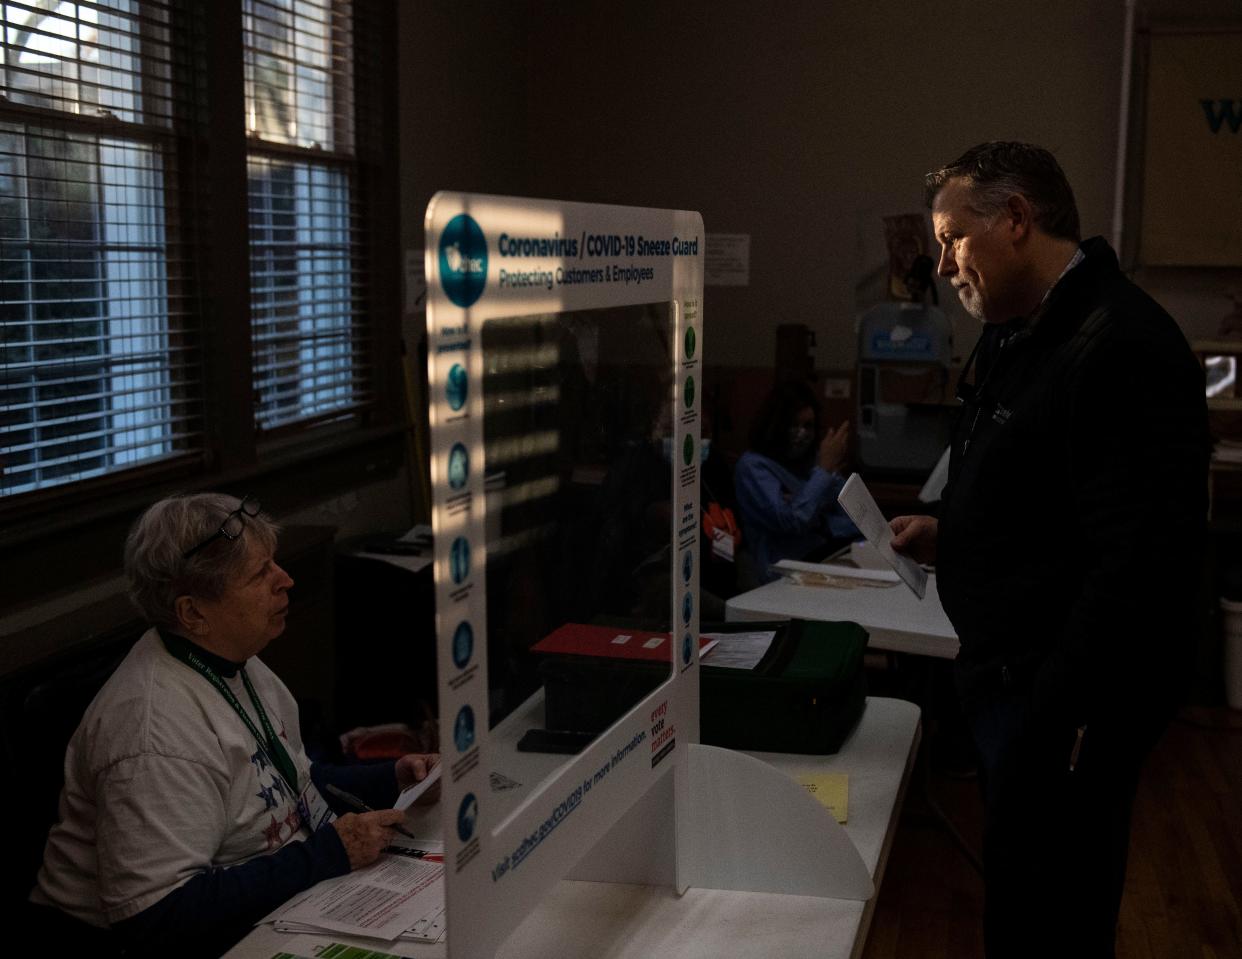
(705, 447)
(799, 441)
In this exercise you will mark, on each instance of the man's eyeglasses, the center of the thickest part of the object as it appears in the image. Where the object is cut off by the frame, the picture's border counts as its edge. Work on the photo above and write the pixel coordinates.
(232, 526)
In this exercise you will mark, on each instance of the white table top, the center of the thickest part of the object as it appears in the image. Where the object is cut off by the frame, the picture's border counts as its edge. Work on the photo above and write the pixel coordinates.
(895, 618)
(590, 920)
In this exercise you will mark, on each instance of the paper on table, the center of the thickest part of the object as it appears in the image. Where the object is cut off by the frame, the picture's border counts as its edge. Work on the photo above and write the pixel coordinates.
(309, 948)
(828, 574)
(420, 534)
(411, 793)
(417, 536)
(382, 900)
(736, 650)
(831, 789)
(861, 507)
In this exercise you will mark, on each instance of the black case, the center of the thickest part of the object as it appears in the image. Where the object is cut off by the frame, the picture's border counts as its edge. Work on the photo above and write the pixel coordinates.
(804, 696)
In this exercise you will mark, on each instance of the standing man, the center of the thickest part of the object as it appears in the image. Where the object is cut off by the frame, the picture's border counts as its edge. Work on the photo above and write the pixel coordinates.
(1069, 541)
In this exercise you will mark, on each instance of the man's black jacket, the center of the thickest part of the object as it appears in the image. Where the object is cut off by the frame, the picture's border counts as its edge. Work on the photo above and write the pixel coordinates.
(1073, 525)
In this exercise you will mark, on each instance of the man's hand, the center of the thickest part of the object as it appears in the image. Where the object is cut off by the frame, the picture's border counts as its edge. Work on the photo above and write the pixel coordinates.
(915, 536)
(365, 834)
(834, 448)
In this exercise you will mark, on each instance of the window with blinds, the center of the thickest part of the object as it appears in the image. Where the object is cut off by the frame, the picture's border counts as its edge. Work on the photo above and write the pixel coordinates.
(309, 340)
(95, 366)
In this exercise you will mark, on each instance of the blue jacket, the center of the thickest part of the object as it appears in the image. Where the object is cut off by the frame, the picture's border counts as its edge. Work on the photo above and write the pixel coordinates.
(786, 515)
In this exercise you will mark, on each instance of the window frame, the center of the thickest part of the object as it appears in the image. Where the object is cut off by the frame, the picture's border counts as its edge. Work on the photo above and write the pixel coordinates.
(296, 465)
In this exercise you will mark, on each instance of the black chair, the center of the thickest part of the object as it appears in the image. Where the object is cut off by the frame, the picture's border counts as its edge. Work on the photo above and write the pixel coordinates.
(40, 708)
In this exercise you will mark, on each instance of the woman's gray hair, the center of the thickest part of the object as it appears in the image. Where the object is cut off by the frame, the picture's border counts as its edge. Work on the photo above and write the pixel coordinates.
(155, 549)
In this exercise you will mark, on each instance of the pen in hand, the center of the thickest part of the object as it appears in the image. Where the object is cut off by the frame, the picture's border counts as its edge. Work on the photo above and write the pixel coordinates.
(358, 804)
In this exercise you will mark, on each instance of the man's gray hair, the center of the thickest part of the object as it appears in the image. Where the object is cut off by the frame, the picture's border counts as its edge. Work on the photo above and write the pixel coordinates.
(155, 549)
(1000, 169)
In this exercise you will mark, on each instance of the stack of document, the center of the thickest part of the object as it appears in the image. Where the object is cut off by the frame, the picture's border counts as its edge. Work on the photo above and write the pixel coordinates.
(401, 896)
(1227, 451)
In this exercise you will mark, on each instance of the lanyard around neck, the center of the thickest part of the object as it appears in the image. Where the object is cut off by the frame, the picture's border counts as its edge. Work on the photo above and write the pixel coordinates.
(268, 741)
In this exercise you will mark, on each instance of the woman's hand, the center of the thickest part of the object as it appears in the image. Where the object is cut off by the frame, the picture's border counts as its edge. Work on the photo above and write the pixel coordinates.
(834, 448)
(915, 536)
(366, 834)
(414, 767)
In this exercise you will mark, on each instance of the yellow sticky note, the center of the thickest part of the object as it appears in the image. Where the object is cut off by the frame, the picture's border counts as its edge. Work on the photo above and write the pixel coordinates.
(831, 789)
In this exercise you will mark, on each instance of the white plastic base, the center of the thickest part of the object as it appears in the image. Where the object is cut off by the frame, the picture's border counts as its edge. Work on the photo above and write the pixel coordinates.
(748, 827)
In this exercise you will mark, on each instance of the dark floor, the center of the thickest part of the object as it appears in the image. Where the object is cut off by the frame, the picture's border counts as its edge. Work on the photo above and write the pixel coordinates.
(1183, 887)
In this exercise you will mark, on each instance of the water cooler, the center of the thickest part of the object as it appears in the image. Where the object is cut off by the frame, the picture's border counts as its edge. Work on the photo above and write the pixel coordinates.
(905, 400)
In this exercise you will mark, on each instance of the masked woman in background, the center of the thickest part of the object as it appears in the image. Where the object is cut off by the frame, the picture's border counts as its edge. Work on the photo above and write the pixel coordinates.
(787, 482)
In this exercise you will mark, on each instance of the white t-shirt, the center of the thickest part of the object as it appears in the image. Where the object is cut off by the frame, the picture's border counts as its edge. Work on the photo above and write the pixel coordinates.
(162, 781)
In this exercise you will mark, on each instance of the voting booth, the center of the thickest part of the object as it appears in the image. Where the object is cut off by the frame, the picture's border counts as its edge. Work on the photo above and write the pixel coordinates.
(564, 362)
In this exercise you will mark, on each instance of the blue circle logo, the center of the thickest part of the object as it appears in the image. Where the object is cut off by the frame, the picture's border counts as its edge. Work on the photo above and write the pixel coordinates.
(687, 608)
(459, 559)
(463, 729)
(687, 566)
(457, 387)
(458, 466)
(463, 260)
(467, 817)
(463, 644)
(687, 646)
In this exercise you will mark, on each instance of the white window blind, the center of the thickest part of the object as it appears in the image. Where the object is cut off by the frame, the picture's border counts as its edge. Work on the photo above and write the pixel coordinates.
(306, 289)
(97, 372)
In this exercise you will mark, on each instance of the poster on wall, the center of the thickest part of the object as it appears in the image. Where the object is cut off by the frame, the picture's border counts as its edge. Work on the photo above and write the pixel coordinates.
(1192, 181)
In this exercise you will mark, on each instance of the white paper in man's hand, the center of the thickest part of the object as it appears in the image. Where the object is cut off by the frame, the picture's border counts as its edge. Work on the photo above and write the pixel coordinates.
(861, 507)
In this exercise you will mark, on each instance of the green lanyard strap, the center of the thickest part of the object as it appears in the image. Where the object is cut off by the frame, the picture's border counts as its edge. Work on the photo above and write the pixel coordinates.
(268, 741)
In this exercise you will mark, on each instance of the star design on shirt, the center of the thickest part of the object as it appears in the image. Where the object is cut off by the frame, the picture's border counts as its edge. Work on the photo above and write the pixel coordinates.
(267, 794)
(259, 761)
(279, 786)
(293, 821)
(283, 734)
(272, 833)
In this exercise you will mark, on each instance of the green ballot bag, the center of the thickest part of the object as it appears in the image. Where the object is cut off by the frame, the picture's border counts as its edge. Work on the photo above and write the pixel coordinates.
(803, 696)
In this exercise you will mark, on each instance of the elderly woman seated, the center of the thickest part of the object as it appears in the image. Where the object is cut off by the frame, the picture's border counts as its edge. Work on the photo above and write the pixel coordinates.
(190, 809)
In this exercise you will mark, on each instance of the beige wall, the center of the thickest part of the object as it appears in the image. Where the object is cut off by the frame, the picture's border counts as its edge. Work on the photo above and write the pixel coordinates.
(800, 123)
(804, 123)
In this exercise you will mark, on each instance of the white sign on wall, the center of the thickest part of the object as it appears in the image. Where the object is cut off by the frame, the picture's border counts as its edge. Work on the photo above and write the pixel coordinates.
(728, 260)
